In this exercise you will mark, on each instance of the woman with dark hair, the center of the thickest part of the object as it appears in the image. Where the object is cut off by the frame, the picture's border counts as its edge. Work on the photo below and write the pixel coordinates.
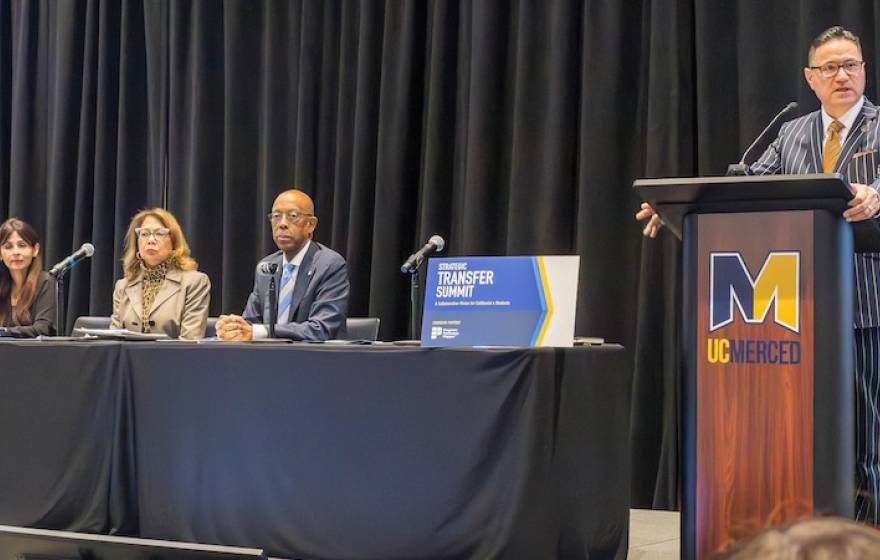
(162, 290)
(27, 300)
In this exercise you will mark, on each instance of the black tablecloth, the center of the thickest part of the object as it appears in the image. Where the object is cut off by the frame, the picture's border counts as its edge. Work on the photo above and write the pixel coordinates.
(328, 452)
(60, 431)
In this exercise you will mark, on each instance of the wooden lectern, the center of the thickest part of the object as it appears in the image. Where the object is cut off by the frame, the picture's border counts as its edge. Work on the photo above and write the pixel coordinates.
(767, 390)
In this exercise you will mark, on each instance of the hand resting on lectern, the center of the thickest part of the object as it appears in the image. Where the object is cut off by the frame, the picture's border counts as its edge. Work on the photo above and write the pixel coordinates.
(654, 222)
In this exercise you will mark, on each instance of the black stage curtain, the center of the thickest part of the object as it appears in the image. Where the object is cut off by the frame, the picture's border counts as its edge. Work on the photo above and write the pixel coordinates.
(509, 127)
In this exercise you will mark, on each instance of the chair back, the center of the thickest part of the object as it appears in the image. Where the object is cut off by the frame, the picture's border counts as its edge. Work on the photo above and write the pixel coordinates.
(89, 322)
(362, 328)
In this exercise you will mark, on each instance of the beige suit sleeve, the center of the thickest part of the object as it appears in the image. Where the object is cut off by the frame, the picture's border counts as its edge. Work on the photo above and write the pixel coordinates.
(197, 299)
(118, 296)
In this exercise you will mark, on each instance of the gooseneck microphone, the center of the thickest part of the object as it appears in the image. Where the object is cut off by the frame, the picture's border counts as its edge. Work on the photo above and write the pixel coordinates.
(436, 243)
(84, 252)
(741, 168)
(57, 272)
(271, 269)
(411, 267)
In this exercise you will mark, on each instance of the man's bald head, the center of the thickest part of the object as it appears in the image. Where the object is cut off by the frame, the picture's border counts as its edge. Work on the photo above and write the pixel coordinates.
(299, 198)
(293, 221)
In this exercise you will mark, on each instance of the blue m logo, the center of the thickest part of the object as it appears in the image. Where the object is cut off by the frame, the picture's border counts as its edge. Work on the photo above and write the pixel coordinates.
(777, 285)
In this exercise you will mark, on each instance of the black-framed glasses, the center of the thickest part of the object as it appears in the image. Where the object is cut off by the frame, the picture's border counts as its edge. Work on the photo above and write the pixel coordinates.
(291, 216)
(158, 234)
(830, 69)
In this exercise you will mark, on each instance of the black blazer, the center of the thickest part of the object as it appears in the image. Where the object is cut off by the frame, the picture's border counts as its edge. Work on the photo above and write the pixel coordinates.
(42, 312)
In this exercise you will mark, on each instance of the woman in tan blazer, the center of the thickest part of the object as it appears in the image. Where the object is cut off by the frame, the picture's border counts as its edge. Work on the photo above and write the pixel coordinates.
(162, 291)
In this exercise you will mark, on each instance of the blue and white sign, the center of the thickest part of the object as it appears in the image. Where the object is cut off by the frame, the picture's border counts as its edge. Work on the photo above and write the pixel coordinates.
(500, 301)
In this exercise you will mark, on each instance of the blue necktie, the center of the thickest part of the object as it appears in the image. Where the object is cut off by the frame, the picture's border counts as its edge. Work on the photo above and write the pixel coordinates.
(285, 294)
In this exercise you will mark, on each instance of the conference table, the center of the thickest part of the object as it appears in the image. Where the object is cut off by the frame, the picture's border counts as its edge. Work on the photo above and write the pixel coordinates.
(321, 451)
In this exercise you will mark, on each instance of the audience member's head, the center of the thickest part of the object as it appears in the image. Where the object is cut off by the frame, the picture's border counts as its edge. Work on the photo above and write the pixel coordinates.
(823, 538)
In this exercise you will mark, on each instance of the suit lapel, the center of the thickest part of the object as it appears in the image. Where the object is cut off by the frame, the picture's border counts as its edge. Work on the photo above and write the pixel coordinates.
(814, 158)
(134, 291)
(855, 138)
(303, 278)
(170, 286)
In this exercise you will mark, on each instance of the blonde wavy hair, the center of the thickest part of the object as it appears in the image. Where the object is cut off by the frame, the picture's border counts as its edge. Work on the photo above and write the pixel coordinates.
(822, 538)
(180, 257)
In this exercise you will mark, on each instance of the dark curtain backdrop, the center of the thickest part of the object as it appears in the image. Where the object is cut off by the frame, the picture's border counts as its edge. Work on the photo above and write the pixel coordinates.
(508, 127)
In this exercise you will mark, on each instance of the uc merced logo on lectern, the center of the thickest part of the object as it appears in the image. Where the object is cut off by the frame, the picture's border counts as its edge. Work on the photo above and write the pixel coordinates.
(771, 295)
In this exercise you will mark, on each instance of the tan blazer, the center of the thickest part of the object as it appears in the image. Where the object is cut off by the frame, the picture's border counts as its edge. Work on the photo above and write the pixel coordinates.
(180, 309)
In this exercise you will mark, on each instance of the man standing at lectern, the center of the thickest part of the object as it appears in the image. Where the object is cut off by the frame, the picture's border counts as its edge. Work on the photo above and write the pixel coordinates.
(842, 137)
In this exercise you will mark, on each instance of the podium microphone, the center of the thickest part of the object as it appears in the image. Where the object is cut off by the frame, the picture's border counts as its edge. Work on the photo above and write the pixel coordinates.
(436, 243)
(741, 168)
(84, 252)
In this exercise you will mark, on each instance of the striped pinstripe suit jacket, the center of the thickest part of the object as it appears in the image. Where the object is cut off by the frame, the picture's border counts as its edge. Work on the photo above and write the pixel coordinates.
(798, 149)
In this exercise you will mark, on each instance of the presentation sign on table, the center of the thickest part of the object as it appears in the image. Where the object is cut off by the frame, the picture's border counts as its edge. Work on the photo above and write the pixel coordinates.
(500, 301)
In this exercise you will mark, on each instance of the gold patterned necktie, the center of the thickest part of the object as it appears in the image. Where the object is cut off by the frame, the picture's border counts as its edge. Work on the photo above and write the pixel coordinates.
(832, 146)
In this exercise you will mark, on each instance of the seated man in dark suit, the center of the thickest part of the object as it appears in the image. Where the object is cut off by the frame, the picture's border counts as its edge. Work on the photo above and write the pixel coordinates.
(311, 282)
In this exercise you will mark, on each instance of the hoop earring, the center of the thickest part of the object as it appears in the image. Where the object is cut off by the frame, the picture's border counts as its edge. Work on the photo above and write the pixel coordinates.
(138, 256)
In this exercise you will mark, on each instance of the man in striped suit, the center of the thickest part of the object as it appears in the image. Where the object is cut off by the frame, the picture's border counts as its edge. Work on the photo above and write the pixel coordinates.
(842, 137)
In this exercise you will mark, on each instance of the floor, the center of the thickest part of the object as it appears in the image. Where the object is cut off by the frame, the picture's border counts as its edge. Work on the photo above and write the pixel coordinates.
(653, 535)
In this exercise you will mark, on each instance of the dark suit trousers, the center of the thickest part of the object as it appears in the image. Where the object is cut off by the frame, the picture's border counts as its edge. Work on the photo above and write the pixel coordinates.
(867, 420)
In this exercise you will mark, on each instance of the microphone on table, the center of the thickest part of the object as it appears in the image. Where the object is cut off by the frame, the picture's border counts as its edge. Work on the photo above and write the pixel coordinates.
(84, 252)
(270, 269)
(740, 168)
(436, 243)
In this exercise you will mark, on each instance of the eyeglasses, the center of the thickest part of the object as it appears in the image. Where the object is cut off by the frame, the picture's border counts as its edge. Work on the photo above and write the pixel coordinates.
(159, 234)
(292, 217)
(830, 69)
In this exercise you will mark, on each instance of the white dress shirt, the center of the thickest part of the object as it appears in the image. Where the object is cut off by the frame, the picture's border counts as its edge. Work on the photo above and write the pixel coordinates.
(847, 120)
